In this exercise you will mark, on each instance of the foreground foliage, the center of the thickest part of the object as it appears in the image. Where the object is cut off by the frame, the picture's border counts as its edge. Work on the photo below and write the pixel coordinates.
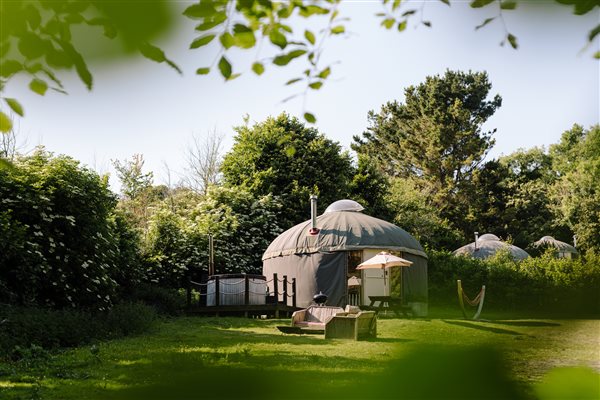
(233, 358)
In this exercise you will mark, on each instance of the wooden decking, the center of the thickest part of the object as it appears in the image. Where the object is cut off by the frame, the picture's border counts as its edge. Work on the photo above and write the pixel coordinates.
(249, 310)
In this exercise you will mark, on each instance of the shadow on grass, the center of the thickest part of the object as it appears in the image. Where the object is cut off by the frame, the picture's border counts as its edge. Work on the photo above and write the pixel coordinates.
(389, 340)
(525, 323)
(482, 327)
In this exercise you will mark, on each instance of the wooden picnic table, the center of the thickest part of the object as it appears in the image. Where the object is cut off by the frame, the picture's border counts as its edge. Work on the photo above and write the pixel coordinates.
(389, 303)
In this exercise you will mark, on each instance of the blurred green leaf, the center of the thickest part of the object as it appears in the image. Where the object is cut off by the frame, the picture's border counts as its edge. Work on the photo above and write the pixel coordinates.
(258, 68)
(426, 23)
(388, 23)
(225, 67)
(593, 33)
(396, 4)
(4, 163)
(5, 122)
(233, 76)
(243, 36)
(9, 68)
(484, 23)
(292, 81)
(278, 39)
(569, 383)
(38, 86)
(310, 36)
(152, 52)
(80, 65)
(408, 12)
(284, 59)
(203, 71)
(402, 26)
(32, 46)
(201, 10)
(307, 11)
(480, 3)
(33, 17)
(310, 118)
(512, 40)
(508, 5)
(316, 85)
(336, 30)
(216, 20)
(15, 106)
(325, 73)
(201, 41)
(447, 2)
(226, 40)
(597, 55)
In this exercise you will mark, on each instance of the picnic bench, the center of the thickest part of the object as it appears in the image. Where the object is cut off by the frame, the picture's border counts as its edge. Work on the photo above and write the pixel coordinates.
(390, 303)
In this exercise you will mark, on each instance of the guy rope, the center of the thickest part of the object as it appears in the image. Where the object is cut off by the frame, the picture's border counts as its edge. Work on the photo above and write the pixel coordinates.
(477, 301)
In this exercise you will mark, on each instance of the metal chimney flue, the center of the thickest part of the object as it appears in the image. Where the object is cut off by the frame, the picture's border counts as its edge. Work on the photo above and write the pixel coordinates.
(313, 215)
(476, 239)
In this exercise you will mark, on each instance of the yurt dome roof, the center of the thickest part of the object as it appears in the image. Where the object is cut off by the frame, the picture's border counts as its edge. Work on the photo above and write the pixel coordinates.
(343, 230)
(487, 246)
(549, 241)
(344, 205)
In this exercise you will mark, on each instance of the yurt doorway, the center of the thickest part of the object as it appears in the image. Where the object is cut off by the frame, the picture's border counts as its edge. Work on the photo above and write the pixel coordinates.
(374, 283)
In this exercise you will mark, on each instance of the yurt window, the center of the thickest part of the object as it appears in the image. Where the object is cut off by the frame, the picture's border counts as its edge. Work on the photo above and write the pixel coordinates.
(354, 258)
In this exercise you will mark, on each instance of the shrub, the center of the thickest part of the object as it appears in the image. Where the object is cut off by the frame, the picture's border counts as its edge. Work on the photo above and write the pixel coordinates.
(164, 301)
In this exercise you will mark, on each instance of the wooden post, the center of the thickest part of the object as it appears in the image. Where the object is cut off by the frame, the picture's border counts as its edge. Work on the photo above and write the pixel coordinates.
(293, 292)
(276, 294)
(246, 294)
(285, 289)
(217, 292)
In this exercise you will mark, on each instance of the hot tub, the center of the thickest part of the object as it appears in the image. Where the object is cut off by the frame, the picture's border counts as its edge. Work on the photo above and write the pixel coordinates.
(232, 289)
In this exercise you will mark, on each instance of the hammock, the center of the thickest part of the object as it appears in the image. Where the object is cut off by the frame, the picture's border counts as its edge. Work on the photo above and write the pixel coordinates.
(477, 301)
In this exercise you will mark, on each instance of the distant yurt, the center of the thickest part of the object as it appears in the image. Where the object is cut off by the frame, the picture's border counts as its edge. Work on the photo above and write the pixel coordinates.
(487, 245)
(323, 253)
(564, 250)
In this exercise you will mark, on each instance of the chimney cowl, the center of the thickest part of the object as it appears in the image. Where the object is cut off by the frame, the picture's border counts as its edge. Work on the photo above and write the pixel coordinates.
(313, 215)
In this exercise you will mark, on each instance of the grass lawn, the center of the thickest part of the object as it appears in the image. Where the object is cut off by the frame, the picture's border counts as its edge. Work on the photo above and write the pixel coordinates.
(440, 357)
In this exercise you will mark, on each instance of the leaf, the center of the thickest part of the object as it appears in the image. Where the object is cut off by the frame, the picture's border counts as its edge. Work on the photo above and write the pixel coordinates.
(38, 86)
(409, 12)
(316, 85)
(282, 60)
(593, 33)
(508, 5)
(396, 4)
(202, 41)
(225, 67)
(174, 66)
(512, 40)
(10, 67)
(5, 164)
(480, 3)
(388, 23)
(310, 36)
(152, 52)
(78, 61)
(325, 73)
(15, 106)
(278, 39)
(258, 68)
(233, 76)
(226, 40)
(32, 46)
(243, 36)
(211, 23)
(484, 23)
(402, 26)
(201, 10)
(310, 118)
(336, 30)
(5, 123)
(597, 55)
(33, 17)
(426, 23)
(446, 2)
(203, 71)
(292, 81)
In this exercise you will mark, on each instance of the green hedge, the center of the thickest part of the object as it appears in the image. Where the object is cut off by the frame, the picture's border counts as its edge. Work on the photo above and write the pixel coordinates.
(25, 328)
(546, 283)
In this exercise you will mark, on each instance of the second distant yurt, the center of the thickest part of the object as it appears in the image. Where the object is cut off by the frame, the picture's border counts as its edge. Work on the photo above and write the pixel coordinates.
(323, 253)
(564, 250)
(488, 245)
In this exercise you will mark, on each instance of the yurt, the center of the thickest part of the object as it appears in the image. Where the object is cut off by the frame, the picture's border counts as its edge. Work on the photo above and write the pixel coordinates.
(564, 250)
(323, 253)
(487, 245)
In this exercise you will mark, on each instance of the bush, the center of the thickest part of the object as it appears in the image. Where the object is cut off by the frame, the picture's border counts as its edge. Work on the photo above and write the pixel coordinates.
(164, 301)
(543, 283)
(24, 327)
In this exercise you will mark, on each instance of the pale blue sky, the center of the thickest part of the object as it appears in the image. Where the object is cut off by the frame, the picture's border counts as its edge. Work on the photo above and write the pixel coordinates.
(141, 107)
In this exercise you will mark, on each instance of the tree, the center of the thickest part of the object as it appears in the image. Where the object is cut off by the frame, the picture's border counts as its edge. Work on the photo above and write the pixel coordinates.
(42, 31)
(137, 190)
(576, 194)
(204, 161)
(283, 157)
(434, 138)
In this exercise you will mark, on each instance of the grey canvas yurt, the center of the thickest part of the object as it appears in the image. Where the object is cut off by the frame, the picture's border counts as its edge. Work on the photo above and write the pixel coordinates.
(323, 253)
(487, 245)
(564, 250)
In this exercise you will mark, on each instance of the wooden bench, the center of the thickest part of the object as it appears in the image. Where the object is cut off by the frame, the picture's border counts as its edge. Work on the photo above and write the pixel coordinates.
(362, 324)
(314, 317)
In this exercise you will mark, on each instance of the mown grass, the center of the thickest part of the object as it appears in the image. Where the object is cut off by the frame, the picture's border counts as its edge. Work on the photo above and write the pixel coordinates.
(440, 357)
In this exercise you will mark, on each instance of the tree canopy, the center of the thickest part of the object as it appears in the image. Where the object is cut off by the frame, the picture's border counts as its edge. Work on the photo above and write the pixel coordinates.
(283, 157)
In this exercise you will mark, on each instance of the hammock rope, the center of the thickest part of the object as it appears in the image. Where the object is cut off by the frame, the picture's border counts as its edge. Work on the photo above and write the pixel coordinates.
(476, 302)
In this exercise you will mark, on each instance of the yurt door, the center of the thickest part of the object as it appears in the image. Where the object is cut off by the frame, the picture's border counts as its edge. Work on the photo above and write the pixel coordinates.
(373, 281)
